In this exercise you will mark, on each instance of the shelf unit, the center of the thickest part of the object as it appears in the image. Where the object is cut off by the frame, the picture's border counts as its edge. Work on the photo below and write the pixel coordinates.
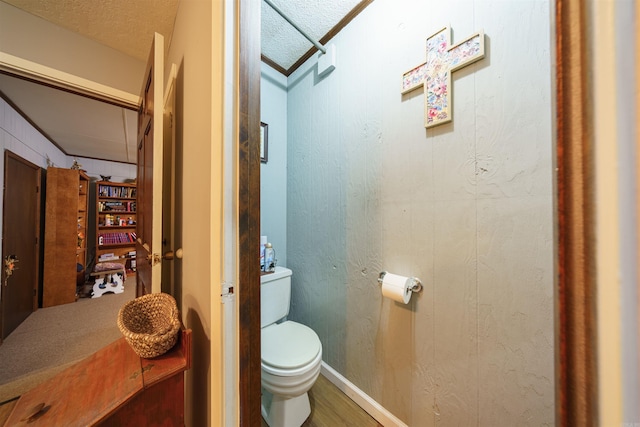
(116, 222)
(65, 234)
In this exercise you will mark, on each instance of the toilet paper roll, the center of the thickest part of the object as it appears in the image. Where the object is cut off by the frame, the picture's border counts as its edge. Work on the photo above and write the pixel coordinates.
(396, 287)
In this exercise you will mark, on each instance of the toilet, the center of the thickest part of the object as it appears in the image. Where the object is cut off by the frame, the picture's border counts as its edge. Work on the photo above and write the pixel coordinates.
(291, 355)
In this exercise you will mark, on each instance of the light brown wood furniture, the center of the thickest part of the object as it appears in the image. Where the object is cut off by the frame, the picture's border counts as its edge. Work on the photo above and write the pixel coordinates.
(64, 235)
(112, 387)
(116, 222)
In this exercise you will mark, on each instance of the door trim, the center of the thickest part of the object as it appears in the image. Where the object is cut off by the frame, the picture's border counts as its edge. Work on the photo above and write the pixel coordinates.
(576, 333)
(32, 71)
(249, 212)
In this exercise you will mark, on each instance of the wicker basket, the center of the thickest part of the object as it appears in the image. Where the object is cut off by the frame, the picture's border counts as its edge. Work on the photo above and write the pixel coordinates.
(150, 324)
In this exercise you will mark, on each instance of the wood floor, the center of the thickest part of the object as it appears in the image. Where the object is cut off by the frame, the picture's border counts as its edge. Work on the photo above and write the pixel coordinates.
(330, 407)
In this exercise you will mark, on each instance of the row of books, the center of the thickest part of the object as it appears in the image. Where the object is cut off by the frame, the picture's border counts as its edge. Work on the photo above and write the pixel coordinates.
(113, 191)
(117, 206)
(115, 238)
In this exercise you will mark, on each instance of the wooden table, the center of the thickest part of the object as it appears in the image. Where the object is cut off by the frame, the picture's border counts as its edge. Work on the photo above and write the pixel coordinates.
(112, 387)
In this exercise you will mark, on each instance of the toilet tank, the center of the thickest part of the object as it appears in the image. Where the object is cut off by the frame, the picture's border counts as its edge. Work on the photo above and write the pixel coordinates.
(275, 295)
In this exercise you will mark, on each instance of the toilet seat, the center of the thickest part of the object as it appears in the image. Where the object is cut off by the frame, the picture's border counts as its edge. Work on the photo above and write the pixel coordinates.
(289, 349)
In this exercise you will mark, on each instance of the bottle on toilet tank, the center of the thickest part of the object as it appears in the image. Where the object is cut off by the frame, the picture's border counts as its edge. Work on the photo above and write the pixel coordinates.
(263, 243)
(269, 258)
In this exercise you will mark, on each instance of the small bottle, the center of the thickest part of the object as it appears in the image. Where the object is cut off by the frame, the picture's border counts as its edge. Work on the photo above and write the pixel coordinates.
(263, 243)
(269, 258)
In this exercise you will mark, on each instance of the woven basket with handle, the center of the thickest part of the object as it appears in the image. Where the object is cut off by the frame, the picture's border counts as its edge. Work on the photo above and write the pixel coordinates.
(150, 324)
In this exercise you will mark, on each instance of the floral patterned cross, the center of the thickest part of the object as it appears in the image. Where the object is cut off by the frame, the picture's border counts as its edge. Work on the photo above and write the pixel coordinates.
(435, 74)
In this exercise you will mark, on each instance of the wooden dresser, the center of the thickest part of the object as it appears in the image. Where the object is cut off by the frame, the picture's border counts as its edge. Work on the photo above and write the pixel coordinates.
(112, 387)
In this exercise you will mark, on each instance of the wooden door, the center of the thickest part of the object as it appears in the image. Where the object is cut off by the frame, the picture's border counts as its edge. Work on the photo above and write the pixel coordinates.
(20, 231)
(169, 241)
(149, 225)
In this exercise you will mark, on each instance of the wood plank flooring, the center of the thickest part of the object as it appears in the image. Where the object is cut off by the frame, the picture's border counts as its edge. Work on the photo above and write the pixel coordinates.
(330, 407)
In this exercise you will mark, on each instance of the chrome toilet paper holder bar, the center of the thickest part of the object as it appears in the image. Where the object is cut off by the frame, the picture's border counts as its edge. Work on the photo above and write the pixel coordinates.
(416, 284)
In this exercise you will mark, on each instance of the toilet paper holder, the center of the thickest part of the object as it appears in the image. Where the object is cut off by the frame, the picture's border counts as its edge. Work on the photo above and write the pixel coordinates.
(416, 284)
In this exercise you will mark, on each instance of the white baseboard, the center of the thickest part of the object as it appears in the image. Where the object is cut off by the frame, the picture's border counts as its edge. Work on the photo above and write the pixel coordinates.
(372, 407)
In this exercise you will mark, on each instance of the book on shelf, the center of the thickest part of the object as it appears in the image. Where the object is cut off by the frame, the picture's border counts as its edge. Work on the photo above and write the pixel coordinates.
(116, 191)
(119, 206)
(116, 238)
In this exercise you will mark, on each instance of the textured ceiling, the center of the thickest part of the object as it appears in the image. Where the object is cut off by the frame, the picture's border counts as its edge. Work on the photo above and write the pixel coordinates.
(127, 26)
(124, 25)
(282, 43)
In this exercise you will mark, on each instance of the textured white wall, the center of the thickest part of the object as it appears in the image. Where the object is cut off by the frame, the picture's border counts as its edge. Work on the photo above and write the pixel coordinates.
(18, 136)
(273, 174)
(467, 207)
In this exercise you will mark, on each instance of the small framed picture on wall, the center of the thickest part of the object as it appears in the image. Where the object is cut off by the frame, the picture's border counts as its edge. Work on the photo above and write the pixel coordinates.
(264, 141)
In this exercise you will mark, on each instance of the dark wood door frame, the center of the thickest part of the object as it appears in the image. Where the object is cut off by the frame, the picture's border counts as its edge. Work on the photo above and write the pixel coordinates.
(248, 292)
(576, 339)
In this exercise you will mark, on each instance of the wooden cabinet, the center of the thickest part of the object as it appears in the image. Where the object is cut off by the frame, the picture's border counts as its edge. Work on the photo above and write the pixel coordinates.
(65, 234)
(116, 222)
(112, 387)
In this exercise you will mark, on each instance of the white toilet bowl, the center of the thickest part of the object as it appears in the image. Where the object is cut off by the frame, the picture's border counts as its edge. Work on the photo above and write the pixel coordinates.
(291, 362)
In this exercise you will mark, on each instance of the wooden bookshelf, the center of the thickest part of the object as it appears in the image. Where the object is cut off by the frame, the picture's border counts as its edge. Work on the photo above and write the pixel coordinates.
(116, 219)
(65, 234)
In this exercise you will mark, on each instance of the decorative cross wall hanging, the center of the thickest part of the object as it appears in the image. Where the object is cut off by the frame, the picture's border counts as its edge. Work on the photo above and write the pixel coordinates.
(435, 74)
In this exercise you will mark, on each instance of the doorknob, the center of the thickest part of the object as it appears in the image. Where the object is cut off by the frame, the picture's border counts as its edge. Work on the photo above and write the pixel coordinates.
(170, 255)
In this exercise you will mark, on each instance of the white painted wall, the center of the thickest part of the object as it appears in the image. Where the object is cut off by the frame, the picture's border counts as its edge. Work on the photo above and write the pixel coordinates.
(273, 174)
(467, 207)
(198, 48)
(32, 38)
(19, 136)
(614, 52)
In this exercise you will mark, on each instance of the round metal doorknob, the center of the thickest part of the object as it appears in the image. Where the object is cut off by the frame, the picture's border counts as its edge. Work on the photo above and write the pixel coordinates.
(171, 254)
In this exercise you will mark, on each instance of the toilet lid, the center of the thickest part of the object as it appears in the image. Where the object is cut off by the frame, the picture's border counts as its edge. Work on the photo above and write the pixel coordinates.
(289, 345)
